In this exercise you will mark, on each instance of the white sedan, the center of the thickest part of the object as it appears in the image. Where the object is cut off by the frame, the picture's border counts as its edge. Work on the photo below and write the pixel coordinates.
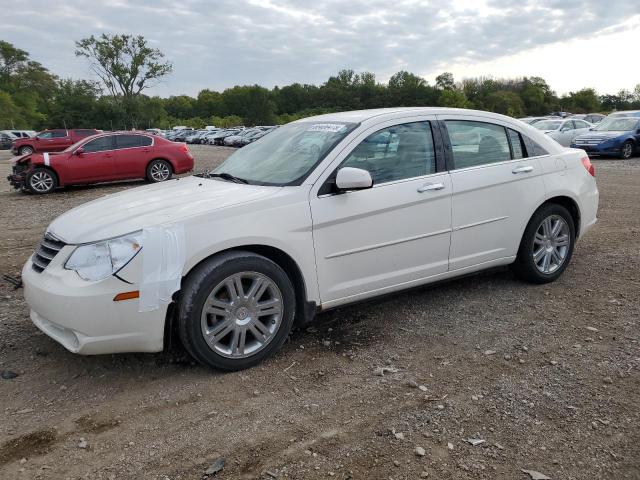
(563, 131)
(384, 201)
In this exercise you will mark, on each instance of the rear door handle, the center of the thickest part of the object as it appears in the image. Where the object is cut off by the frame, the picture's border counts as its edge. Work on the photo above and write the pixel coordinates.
(430, 187)
(523, 169)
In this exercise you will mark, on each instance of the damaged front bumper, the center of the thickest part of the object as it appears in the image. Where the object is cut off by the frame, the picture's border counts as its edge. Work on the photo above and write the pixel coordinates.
(17, 181)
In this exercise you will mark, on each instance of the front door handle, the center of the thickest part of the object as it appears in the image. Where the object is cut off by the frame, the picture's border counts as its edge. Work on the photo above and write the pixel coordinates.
(523, 169)
(429, 187)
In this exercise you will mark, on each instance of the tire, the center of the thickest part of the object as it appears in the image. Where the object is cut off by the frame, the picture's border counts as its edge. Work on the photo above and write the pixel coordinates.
(265, 329)
(26, 150)
(159, 171)
(627, 150)
(41, 181)
(544, 254)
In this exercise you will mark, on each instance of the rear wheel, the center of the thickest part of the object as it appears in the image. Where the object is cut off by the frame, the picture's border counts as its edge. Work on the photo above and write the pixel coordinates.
(627, 149)
(547, 245)
(159, 171)
(236, 310)
(42, 180)
(26, 150)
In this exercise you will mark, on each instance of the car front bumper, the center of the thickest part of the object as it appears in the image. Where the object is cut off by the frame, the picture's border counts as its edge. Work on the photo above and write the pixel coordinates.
(83, 316)
(17, 180)
(599, 149)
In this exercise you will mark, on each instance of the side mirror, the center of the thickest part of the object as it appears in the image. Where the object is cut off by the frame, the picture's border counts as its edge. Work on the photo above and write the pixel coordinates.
(79, 151)
(349, 178)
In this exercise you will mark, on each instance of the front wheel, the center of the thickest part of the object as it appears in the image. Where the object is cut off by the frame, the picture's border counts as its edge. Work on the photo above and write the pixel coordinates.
(41, 180)
(25, 150)
(159, 171)
(236, 309)
(547, 245)
(627, 150)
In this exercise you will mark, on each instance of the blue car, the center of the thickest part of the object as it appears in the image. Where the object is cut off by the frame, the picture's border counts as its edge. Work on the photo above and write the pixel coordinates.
(614, 136)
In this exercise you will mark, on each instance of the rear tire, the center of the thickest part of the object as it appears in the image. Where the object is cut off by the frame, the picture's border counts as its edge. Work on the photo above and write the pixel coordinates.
(236, 309)
(41, 181)
(627, 150)
(159, 171)
(547, 245)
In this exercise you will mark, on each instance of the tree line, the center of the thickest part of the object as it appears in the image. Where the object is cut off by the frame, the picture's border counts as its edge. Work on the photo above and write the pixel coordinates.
(32, 97)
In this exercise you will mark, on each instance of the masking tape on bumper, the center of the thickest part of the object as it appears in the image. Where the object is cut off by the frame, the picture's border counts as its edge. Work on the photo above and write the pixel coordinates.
(163, 258)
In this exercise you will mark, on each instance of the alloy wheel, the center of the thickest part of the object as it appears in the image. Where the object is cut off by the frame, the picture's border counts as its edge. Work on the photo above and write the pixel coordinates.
(41, 182)
(627, 150)
(160, 171)
(242, 315)
(551, 244)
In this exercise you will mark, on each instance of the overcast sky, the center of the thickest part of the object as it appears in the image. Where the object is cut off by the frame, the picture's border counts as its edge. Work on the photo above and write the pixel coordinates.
(571, 43)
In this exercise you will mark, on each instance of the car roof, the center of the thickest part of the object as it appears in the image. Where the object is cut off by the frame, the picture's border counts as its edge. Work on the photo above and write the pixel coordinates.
(359, 116)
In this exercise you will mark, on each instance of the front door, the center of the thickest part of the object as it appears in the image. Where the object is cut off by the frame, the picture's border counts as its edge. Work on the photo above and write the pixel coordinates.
(95, 163)
(392, 235)
(495, 186)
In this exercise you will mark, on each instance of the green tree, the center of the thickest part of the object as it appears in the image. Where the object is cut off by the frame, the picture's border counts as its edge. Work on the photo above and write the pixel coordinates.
(74, 104)
(445, 81)
(507, 103)
(125, 64)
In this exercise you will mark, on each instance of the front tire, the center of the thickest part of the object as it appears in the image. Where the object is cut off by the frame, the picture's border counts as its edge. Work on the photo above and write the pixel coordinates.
(159, 171)
(236, 309)
(547, 245)
(627, 150)
(25, 150)
(41, 181)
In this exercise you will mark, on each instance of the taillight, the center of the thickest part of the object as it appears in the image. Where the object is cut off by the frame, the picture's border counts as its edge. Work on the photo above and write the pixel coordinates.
(589, 166)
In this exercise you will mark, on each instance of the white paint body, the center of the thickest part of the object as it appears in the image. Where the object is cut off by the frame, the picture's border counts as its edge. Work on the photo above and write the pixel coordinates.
(348, 247)
(567, 131)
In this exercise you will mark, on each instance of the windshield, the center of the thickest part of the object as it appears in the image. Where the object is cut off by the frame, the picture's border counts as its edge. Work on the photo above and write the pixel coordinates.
(287, 155)
(71, 148)
(616, 124)
(547, 124)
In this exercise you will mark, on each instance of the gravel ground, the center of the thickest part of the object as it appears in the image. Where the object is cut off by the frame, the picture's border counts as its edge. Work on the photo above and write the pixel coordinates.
(547, 376)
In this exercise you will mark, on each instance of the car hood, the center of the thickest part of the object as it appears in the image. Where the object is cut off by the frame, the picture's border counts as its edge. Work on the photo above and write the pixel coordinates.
(600, 135)
(163, 203)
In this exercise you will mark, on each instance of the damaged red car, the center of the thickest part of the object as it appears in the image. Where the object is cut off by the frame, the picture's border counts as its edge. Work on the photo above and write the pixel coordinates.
(102, 158)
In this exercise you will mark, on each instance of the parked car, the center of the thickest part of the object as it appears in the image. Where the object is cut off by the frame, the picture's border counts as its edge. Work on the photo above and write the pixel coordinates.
(218, 138)
(592, 118)
(532, 120)
(563, 131)
(5, 141)
(560, 114)
(232, 140)
(614, 136)
(19, 133)
(232, 259)
(625, 113)
(247, 139)
(102, 158)
(51, 140)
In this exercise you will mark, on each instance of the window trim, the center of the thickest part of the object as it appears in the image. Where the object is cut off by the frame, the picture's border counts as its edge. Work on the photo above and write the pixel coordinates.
(448, 150)
(438, 148)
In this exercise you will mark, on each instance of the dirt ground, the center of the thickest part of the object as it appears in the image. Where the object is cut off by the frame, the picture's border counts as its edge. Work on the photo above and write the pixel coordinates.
(548, 376)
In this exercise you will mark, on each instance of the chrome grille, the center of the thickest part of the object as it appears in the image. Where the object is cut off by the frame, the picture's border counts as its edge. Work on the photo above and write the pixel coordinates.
(46, 251)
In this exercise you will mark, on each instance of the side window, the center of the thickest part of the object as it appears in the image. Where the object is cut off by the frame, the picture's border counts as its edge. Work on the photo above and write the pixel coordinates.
(45, 135)
(99, 145)
(477, 143)
(145, 141)
(568, 125)
(395, 153)
(58, 134)
(127, 141)
(518, 149)
(580, 124)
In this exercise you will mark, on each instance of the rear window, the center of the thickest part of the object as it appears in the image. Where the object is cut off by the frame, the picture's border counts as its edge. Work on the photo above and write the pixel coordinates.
(128, 141)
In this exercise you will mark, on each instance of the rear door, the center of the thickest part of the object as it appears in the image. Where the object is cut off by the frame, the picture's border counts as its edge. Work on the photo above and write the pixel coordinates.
(95, 163)
(494, 188)
(132, 154)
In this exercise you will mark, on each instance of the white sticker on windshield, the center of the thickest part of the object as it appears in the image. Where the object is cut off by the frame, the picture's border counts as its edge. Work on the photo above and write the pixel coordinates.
(326, 127)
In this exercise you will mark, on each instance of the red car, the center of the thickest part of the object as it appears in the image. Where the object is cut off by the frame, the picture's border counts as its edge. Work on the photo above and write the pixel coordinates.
(51, 140)
(102, 158)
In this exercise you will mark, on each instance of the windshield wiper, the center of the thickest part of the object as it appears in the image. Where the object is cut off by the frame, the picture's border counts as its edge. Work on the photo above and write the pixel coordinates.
(227, 176)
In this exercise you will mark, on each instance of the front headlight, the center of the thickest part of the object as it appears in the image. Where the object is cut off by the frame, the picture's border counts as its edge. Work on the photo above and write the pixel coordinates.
(99, 260)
